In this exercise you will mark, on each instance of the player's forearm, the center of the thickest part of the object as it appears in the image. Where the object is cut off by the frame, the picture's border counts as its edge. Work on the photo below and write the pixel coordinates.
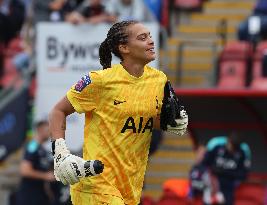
(57, 118)
(57, 124)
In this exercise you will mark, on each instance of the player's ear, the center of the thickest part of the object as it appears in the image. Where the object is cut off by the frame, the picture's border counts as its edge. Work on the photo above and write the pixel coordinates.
(123, 48)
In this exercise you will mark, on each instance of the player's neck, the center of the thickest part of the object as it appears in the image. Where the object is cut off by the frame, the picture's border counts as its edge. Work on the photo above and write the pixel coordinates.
(133, 69)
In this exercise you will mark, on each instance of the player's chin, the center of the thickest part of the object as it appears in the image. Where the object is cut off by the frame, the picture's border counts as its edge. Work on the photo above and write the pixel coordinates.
(151, 57)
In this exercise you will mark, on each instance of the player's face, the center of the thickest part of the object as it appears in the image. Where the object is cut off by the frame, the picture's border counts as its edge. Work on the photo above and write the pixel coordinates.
(140, 44)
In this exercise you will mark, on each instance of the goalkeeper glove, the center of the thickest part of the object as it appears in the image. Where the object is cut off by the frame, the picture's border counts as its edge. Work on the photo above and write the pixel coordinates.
(181, 124)
(173, 117)
(69, 168)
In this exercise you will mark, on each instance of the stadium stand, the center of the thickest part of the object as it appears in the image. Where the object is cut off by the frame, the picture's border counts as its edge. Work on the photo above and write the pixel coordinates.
(196, 40)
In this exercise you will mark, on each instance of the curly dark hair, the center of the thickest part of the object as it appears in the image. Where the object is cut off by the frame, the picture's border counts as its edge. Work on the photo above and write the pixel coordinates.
(116, 36)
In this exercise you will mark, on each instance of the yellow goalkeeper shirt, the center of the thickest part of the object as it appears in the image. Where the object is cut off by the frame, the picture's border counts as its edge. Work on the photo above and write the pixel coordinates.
(120, 110)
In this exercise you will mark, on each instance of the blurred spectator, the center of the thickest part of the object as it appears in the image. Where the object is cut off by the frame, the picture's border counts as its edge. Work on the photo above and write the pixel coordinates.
(89, 11)
(22, 59)
(12, 14)
(34, 170)
(204, 185)
(228, 159)
(60, 193)
(48, 10)
(254, 28)
(197, 173)
(260, 7)
(129, 10)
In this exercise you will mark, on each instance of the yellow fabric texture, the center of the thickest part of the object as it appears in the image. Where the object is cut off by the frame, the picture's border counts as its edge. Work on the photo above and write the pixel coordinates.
(120, 110)
(83, 198)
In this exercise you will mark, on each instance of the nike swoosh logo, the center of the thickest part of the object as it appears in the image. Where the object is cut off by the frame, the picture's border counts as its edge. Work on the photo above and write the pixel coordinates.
(116, 102)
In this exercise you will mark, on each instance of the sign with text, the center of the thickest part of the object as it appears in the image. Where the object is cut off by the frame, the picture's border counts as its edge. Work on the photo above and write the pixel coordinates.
(65, 51)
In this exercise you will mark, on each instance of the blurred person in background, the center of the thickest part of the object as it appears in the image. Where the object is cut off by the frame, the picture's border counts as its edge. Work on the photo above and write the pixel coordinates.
(203, 185)
(60, 193)
(254, 28)
(35, 169)
(228, 160)
(48, 10)
(89, 11)
(197, 174)
(122, 10)
(12, 14)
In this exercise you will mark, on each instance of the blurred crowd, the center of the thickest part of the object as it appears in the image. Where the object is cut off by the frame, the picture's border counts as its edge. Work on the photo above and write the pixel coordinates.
(18, 20)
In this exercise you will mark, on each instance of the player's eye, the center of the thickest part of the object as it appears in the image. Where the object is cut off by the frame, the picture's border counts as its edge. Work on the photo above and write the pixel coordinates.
(142, 37)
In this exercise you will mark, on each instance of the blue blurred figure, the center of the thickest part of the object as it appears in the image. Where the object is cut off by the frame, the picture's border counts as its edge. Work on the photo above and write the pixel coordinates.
(35, 170)
(254, 27)
(228, 159)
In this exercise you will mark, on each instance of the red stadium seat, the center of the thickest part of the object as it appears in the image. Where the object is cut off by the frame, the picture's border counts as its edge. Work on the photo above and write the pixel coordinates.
(175, 192)
(258, 80)
(236, 50)
(257, 59)
(171, 198)
(257, 66)
(232, 74)
(196, 201)
(188, 4)
(233, 65)
(259, 84)
(246, 202)
(260, 50)
(146, 200)
(250, 194)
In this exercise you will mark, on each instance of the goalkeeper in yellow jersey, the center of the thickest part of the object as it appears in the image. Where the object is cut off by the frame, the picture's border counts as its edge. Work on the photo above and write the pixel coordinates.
(122, 104)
